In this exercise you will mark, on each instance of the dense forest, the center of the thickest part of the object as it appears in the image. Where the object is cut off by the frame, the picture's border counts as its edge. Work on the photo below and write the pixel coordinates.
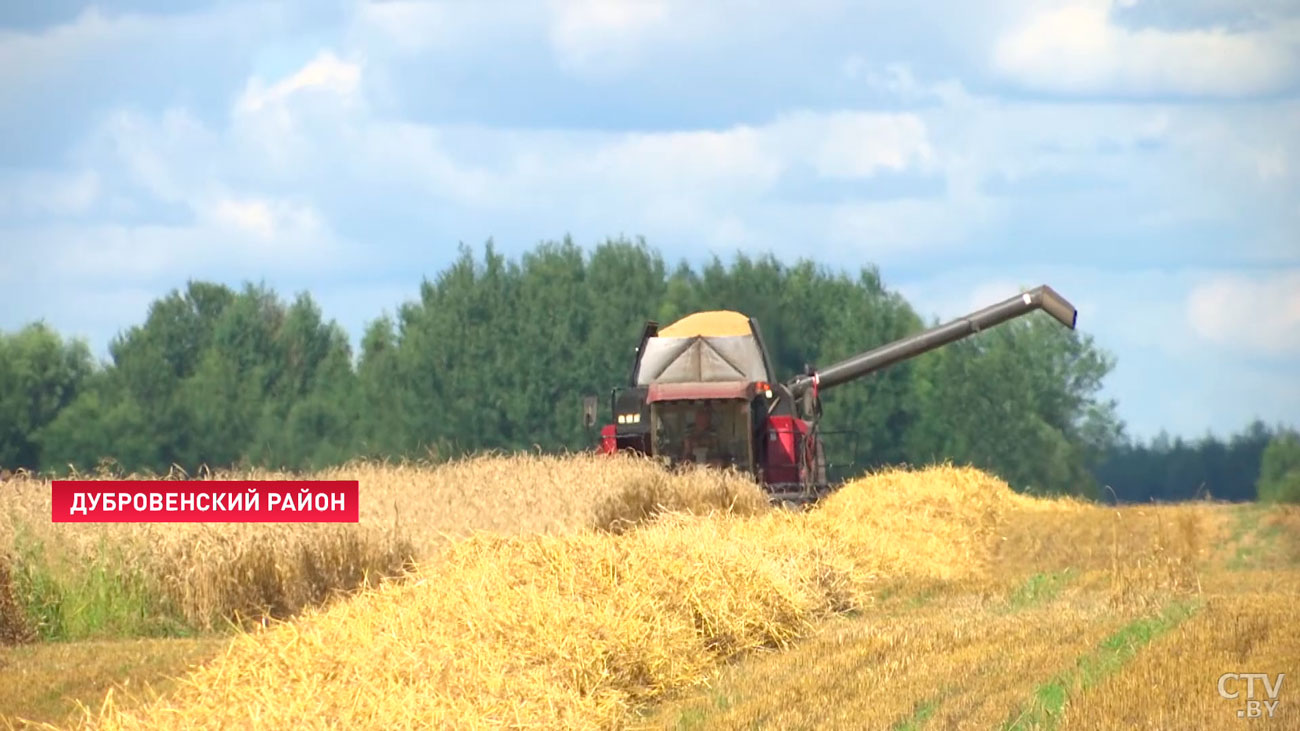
(496, 354)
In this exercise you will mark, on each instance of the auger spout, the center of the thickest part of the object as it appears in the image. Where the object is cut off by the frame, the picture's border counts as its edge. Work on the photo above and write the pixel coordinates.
(1040, 298)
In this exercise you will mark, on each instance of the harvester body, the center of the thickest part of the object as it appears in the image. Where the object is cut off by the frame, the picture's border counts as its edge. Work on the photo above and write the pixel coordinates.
(702, 390)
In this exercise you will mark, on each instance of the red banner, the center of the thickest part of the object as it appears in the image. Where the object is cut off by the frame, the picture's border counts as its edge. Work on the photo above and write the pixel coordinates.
(205, 501)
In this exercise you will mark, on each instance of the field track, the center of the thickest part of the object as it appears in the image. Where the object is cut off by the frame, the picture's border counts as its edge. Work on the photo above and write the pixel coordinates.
(933, 599)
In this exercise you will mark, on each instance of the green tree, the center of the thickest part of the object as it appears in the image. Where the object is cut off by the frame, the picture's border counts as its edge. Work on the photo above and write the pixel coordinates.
(1020, 400)
(451, 346)
(544, 382)
(143, 386)
(40, 374)
(1172, 469)
(848, 317)
(382, 425)
(626, 285)
(229, 390)
(214, 377)
(308, 413)
(103, 423)
(1279, 470)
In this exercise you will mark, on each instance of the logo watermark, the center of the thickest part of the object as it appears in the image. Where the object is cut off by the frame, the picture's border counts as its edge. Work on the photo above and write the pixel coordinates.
(1260, 691)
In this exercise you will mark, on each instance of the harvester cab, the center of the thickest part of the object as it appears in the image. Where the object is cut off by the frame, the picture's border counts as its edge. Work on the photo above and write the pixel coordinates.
(702, 390)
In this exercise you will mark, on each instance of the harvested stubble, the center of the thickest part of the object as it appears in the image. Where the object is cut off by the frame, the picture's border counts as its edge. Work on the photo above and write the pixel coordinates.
(209, 574)
(1066, 575)
(574, 631)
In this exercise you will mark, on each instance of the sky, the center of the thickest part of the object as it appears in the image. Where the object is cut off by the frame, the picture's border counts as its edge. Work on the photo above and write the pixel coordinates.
(1143, 158)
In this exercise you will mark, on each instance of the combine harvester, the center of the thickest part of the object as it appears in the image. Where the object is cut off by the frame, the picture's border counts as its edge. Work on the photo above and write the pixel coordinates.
(702, 390)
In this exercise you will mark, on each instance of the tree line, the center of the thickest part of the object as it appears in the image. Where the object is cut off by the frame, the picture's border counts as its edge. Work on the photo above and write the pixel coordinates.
(1166, 469)
(495, 353)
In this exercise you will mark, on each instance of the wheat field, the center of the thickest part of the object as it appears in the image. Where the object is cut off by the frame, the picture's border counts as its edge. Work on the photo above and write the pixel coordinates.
(580, 592)
(212, 575)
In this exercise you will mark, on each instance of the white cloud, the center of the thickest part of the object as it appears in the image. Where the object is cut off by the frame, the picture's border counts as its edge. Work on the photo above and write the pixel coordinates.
(233, 238)
(283, 126)
(600, 36)
(738, 163)
(892, 230)
(897, 80)
(326, 73)
(219, 183)
(168, 156)
(312, 135)
(252, 216)
(1080, 49)
(267, 220)
(1259, 313)
(410, 25)
(668, 161)
(853, 144)
(311, 138)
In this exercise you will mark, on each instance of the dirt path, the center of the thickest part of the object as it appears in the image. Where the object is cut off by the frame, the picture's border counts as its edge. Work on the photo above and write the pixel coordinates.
(44, 682)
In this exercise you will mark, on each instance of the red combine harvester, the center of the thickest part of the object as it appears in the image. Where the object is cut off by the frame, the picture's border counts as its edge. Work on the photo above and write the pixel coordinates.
(703, 390)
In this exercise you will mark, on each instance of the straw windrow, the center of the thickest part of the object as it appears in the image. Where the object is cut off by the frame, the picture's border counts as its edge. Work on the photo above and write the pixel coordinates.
(575, 629)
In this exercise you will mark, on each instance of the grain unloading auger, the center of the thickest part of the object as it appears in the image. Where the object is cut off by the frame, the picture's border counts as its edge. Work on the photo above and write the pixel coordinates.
(703, 390)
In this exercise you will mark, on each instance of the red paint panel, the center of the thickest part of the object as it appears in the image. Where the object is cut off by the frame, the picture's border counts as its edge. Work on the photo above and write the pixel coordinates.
(785, 435)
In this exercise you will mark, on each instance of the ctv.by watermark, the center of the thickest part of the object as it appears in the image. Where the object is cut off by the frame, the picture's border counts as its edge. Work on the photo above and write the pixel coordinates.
(1257, 704)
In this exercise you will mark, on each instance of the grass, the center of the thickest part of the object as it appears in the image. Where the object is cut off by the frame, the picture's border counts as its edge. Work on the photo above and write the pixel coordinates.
(1044, 709)
(694, 718)
(919, 716)
(1039, 587)
(103, 597)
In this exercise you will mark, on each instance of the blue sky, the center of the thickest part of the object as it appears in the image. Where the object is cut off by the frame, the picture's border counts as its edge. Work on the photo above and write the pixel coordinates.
(1141, 157)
